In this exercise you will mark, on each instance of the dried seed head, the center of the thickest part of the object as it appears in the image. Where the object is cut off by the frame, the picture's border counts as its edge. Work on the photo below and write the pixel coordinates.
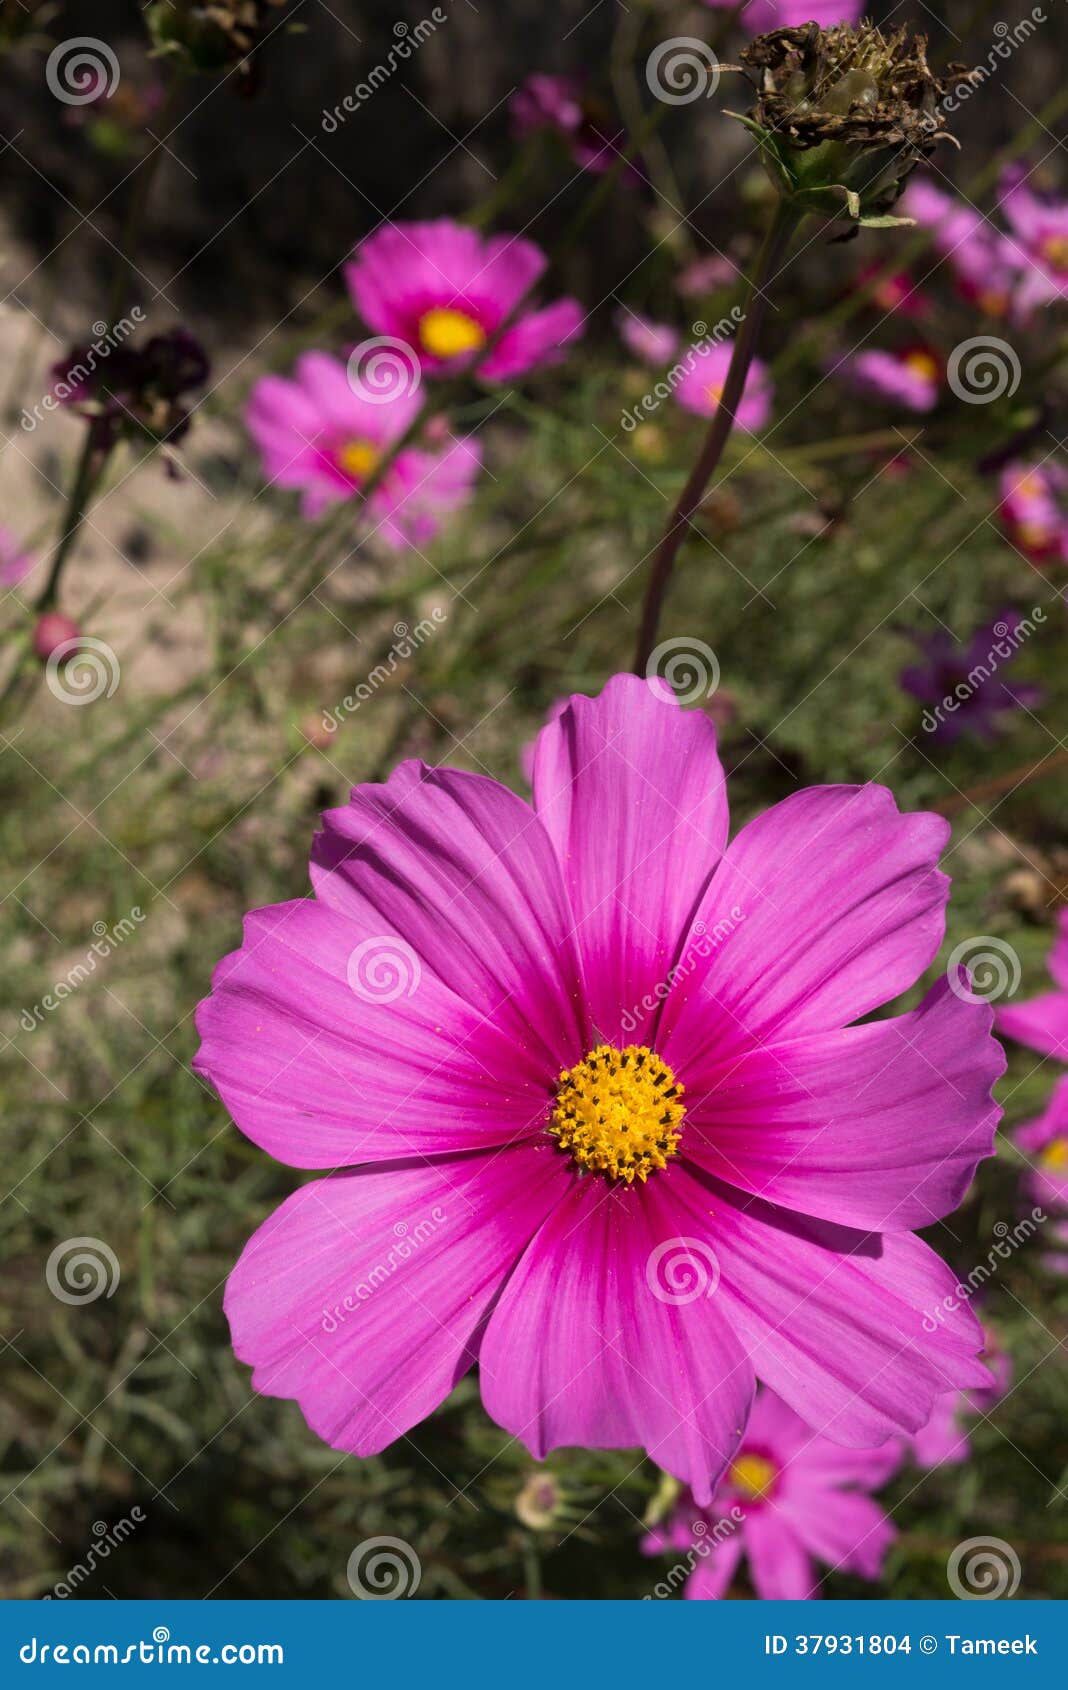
(843, 115)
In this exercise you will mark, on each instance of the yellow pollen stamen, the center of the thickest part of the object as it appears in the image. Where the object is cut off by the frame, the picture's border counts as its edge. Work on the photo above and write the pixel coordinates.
(1055, 1155)
(446, 333)
(753, 1475)
(1055, 248)
(923, 364)
(359, 459)
(618, 1112)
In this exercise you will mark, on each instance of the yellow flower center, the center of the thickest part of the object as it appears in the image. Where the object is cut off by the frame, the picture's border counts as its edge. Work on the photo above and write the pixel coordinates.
(714, 391)
(1055, 248)
(994, 302)
(753, 1475)
(618, 1112)
(1030, 486)
(446, 333)
(359, 459)
(922, 364)
(1055, 1155)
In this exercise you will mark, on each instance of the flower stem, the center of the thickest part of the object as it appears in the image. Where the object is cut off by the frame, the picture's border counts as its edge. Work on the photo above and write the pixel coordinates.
(777, 239)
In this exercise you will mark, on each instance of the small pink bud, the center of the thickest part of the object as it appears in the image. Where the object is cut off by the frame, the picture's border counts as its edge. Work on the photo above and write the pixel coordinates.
(53, 630)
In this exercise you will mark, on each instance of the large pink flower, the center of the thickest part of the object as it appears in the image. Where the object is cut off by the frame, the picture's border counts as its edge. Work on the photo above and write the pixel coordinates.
(943, 1440)
(321, 433)
(1042, 1022)
(700, 385)
(788, 1499)
(444, 290)
(608, 1121)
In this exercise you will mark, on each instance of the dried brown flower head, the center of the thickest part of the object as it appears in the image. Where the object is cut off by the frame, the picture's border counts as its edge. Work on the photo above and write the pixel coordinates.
(843, 115)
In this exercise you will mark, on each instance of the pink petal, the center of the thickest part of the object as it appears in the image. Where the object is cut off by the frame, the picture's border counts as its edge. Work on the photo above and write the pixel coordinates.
(843, 1529)
(331, 1044)
(1041, 1024)
(836, 905)
(713, 1573)
(832, 1319)
(631, 793)
(879, 1126)
(538, 337)
(462, 869)
(581, 1349)
(778, 1565)
(363, 1295)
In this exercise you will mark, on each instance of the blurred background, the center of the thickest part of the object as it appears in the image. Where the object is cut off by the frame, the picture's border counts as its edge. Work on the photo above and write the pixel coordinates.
(868, 533)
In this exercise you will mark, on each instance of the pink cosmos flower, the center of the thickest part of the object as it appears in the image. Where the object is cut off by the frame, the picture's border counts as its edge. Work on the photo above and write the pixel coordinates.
(761, 15)
(621, 1197)
(894, 293)
(1034, 509)
(1056, 1261)
(653, 343)
(15, 562)
(792, 1498)
(1044, 1142)
(706, 274)
(983, 260)
(444, 290)
(562, 104)
(1038, 240)
(700, 387)
(320, 433)
(1042, 1022)
(911, 378)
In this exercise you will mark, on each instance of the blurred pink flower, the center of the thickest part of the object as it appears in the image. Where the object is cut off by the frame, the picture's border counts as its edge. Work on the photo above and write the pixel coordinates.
(15, 562)
(980, 256)
(789, 1498)
(761, 15)
(1056, 1260)
(895, 294)
(701, 386)
(1038, 240)
(654, 343)
(1044, 1142)
(1042, 1022)
(911, 377)
(318, 432)
(444, 290)
(562, 104)
(1034, 508)
(704, 275)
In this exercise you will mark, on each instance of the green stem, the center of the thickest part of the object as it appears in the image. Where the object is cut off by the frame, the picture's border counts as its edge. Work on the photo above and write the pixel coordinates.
(777, 239)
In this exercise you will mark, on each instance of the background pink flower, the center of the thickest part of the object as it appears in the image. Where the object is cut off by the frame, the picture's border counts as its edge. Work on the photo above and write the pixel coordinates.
(320, 433)
(444, 290)
(1034, 508)
(15, 561)
(790, 1498)
(1038, 240)
(701, 386)
(1044, 1142)
(654, 343)
(469, 1020)
(563, 104)
(911, 378)
(761, 15)
(1042, 1022)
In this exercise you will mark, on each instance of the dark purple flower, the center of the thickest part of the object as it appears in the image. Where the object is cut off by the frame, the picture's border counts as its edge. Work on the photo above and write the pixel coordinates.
(960, 682)
(131, 391)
